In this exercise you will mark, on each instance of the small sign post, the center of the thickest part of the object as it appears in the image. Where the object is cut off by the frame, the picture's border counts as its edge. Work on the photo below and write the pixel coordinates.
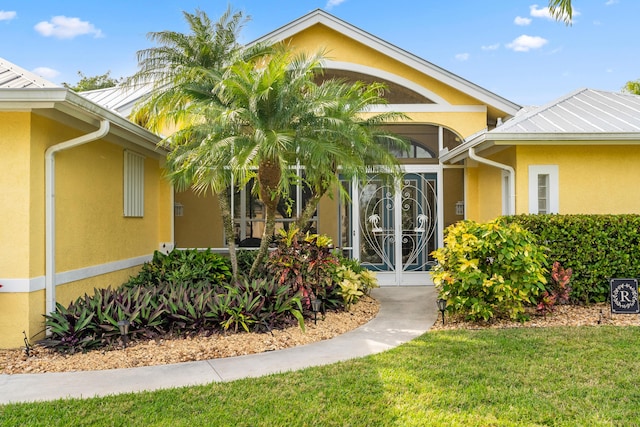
(624, 296)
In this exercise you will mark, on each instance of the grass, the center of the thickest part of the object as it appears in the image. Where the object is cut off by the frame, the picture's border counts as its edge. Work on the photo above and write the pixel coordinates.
(580, 376)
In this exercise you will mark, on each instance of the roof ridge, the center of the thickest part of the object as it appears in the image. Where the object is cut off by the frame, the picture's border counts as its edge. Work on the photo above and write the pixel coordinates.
(17, 72)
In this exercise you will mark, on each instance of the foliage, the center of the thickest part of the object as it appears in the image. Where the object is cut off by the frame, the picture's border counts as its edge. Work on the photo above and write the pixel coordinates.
(632, 87)
(246, 258)
(561, 10)
(87, 83)
(349, 287)
(595, 247)
(557, 290)
(189, 266)
(366, 279)
(489, 270)
(305, 264)
(171, 308)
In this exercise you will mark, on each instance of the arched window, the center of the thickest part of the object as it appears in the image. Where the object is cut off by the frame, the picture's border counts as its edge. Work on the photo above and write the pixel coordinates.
(416, 150)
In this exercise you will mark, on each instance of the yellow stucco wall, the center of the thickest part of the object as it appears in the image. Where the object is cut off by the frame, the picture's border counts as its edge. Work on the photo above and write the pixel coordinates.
(201, 225)
(90, 227)
(484, 186)
(14, 194)
(592, 179)
(341, 48)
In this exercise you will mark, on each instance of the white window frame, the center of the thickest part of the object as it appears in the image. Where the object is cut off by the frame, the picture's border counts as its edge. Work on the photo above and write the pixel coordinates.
(505, 177)
(553, 203)
(133, 205)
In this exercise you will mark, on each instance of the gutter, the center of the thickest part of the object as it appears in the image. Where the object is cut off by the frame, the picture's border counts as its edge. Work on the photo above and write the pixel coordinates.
(50, 208)
(512, 177)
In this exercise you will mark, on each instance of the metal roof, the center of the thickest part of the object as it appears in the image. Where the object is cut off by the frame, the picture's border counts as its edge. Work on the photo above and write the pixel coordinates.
(585, 111)
(118, 99)
(14, 77)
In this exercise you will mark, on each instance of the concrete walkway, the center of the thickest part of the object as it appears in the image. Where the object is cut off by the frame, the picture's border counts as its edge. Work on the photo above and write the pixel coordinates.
(405, 313)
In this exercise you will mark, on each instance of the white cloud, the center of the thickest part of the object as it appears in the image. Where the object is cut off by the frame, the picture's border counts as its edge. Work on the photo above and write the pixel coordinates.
(609, 70)
(46, 72)
(610, 2)
(63, 27)
(522, 21)
(462, 56)
(525, 43)
(537, 12)
(544, 12)
(332, 3)
(491, 47)
(7, 15)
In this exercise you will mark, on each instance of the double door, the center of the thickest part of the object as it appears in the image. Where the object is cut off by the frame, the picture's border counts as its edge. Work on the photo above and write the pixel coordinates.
(395, 227)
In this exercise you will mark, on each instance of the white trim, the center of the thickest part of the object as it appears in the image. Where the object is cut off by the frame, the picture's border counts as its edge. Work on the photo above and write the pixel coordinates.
(426, 108)
(554, 193)
(385, 75)
(38, 283)
(506, 198)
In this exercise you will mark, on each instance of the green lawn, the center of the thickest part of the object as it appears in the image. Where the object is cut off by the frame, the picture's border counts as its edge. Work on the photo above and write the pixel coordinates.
(583, 376)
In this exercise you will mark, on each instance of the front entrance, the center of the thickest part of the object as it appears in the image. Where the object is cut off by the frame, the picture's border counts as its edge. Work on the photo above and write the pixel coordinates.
(395, 229)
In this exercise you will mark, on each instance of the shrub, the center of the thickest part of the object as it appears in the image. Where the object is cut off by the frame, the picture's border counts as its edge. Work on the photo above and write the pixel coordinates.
(189, 266)
(305, 264)
(595, 247)
(489, 270)
(557, 290)
(365, 279)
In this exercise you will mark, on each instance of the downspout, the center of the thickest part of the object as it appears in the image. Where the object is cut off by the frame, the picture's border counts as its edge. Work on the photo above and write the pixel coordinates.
(50, 208)
(512, 177)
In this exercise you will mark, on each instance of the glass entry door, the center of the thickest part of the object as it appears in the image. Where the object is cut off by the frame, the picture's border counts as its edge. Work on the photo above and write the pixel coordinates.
(398, 227)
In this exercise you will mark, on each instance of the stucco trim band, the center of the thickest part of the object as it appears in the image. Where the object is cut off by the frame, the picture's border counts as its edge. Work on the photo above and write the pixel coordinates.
(38, 283)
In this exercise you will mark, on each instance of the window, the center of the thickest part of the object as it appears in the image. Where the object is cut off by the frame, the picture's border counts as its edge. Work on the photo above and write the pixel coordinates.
(543, 189)
(133, 184)
(506, 194)
(249, 212)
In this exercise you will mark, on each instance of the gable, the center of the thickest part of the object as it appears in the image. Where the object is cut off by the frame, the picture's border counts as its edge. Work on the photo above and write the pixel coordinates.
(350, 48)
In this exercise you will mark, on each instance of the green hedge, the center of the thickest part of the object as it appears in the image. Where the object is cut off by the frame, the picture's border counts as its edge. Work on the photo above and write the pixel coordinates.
(596, 247)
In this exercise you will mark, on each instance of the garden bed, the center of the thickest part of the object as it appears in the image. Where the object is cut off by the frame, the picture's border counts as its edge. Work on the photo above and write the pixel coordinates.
(165, 351)
(563, 315)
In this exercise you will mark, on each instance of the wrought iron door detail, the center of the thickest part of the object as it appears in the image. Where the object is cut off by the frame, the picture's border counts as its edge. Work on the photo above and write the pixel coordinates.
(417, 229)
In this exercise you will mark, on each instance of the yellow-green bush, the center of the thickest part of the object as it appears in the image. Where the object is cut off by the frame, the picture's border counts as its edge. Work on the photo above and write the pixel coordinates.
(489, 270)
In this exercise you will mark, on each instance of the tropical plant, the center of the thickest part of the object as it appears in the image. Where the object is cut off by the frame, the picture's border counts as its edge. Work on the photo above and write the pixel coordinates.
(179, 70)
(305, 264)
(489, 270)
(557, 289)
(561, 10)
(184, 266)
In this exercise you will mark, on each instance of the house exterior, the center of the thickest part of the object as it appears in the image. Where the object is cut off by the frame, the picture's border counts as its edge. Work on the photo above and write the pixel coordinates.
(84, 204)
(393, 232)
(575, 155)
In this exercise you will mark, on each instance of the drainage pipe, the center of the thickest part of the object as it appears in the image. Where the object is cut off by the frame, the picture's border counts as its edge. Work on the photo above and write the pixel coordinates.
(50, 208)
(511, 208)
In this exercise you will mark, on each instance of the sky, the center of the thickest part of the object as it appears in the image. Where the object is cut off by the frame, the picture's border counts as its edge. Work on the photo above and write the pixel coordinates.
(510, 47)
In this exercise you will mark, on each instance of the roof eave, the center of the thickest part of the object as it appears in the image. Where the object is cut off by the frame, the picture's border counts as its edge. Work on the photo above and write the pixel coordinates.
(74, 105)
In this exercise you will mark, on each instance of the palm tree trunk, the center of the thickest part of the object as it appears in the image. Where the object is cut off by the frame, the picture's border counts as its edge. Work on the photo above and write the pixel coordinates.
(227, 220)
(303, 221)
(267, 235)
(269, 175)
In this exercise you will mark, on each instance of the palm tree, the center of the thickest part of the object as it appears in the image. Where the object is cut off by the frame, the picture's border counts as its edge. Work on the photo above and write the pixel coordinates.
(257, 112)
(178, 70)
(347, 141)
(561, 10)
